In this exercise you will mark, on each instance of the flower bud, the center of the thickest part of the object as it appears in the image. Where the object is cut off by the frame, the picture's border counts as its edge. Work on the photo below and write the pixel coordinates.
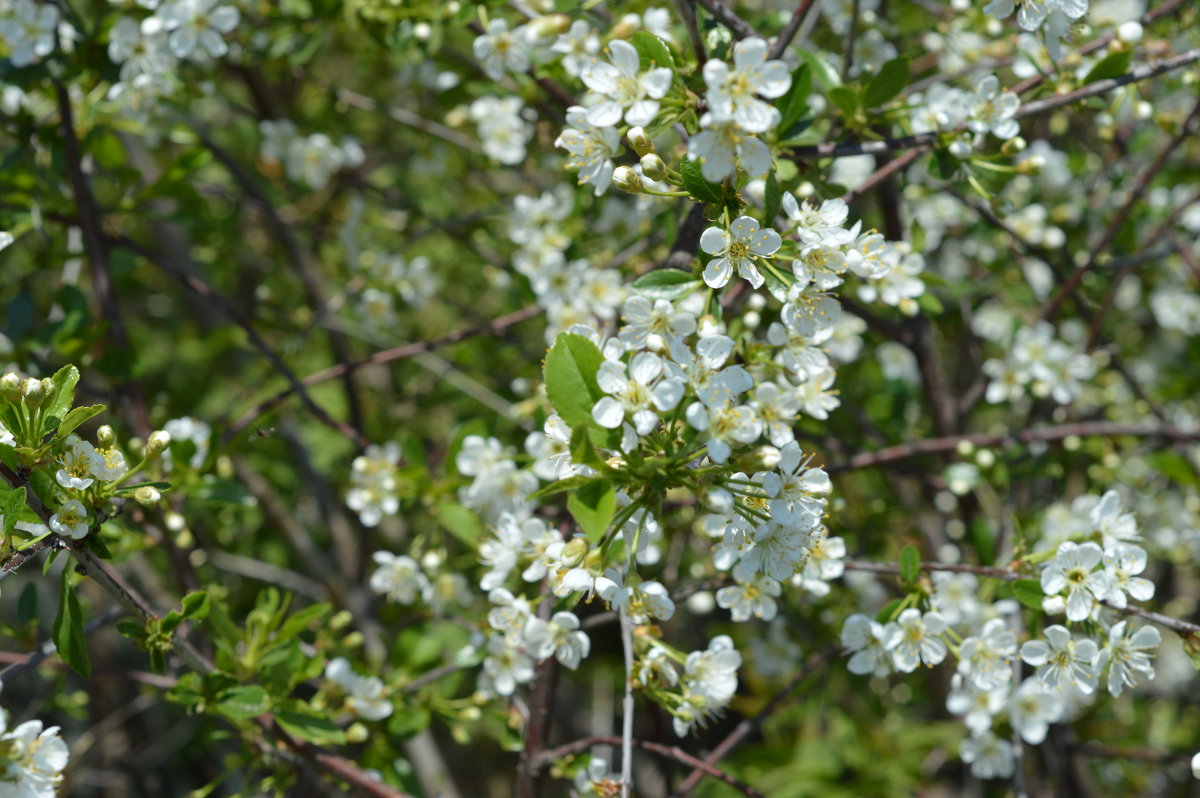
(159, 440)
(10, 387)
(105, 436)
(341, 620)
(357, 733)
(574, 552)
(35, 393)
(1031, 166)
(594, 562)
(550, 25)
(626, 179)
(1014, 145)
(653, 167)
(147, 496)
(640, 142)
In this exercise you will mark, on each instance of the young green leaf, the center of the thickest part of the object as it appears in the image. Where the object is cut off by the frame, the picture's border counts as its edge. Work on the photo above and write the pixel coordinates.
(653, 50)
(315, 729)
(846, 99)
(1113, 65)
(668, 284)
(823, 73)
(242, 703)
(793, 104)
(570, 376)
(76, 416)
(1029, 592)
(62, 393)
(772, 198)
(593, 505)
(696, 186)
(887, 83)
(68, 628)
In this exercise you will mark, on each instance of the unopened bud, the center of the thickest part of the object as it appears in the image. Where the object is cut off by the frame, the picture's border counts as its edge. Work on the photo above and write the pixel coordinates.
(1014, 145)
(1031, 166)
(353, 640)
(628, 25)
(159, 440)
(105, 436)
(653, 167)
(1130, 32)
(35, 393)
(593, 563)
(640, 142)
(574, 552)
(550, 25)
(626, 179)
(147, 496)
(341, 620)
(357, 733)
(10, 387)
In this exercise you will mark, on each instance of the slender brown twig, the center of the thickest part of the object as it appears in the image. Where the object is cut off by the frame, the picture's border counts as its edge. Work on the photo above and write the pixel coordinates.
(668, 751)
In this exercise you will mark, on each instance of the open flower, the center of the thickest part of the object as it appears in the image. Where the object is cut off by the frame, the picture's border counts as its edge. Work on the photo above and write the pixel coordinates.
(1128, 654)
(917, 638)
(71, 520)
(738, 247)
(1073, 571)
(732, 92)
(623, 88)
(1061, 660)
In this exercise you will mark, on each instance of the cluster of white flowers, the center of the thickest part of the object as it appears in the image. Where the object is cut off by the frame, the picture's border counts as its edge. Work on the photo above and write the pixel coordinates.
(366, 696)
(28, 29)
(572, 291)
(387, 276)
(1038, 363)
(372, 492)
(519, 636)
(311, 159)
(988, 109)
(1086, 553)
(401, 579)
(504, 129)
(1057, 17)
(32, 759)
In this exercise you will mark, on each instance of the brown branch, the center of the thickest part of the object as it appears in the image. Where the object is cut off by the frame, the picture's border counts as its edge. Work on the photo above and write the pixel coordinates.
(18, 559)
(202, 289)
(949, 443)
(1111, 229)
(687, 10)
(723, 14)
(386, 356)
(310, 276)
(96, 246)
(789, 31)
(673, 752)
(750, 725)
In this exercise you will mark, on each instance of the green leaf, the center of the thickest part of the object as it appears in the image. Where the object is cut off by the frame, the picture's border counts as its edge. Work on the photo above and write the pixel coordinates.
(62, 392)
(461, 522)
(27, 603)
(14, 505)
(1113, 65)
(68, 626)
(75, 417)
(772, 198)
(1029, 592)
(408, 723)
(570, 376)
(910, 564)
(311, 728)
(885, 614)
(298, 621)
(793, 104)
(930, 304)
(822, 71)
(669, 284)
(196, 605)
(887, 83)
(653, 50)
(582, 450)
(242, 703)
(845, 98)
(593, 505)
(696, 186)
(942, 164)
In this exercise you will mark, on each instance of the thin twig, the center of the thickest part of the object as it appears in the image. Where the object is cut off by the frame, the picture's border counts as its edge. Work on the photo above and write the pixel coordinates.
(723, 14)
(789, 31)
(949, 443)
(668, 751)
(627, 706)
(386, 356)
(687, 10)
(750, 725)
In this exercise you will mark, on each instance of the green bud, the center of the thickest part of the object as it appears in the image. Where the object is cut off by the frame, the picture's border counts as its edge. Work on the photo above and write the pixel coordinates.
(640, 142)
(105, 436)
(35, 393)
(593, 563)
(357, 733)
(10, 387)
(653, 167)
(147, 496)
(626, 179)
(159, 440)
(341, 620)
(574, 552)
